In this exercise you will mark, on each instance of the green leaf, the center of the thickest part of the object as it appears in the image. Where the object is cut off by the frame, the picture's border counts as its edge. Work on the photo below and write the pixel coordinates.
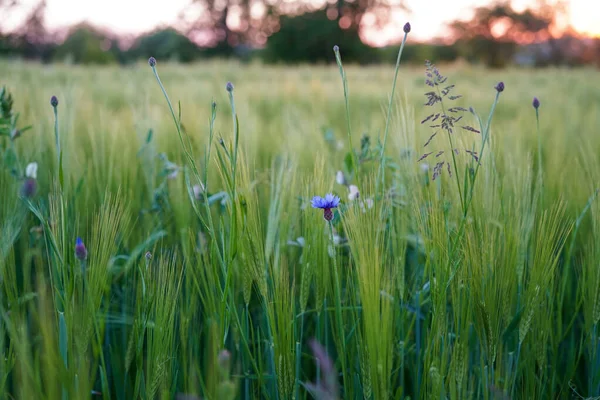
(149, 137)
(10, 158)
(514, 324)
(349, 163)
(62, 338)
(217, 197)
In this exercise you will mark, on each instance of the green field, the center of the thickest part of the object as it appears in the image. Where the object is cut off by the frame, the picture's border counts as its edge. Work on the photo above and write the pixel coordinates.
(209, 274)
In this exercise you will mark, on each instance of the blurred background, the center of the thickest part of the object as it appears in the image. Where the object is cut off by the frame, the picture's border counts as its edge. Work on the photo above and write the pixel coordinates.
(531, 33)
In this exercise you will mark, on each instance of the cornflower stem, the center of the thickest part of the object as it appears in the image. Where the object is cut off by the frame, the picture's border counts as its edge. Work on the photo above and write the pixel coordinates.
(57, 139)
(338, 59)
(540, 168)
(467, 205)
(338, 303)
(389, 113)
(486, 135)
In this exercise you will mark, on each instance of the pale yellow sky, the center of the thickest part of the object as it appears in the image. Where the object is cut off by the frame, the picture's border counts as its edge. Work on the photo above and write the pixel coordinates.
(428, 18)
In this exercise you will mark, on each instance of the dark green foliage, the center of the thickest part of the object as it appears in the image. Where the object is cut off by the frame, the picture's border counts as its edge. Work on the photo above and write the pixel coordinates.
(310, 38)
(165, 44)
(87, 45)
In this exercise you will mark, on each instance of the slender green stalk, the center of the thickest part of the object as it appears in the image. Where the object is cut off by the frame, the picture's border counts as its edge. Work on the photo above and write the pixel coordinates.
(338, 303)
(540, 153)
(338, 59)
(389, 113)
(56, 136)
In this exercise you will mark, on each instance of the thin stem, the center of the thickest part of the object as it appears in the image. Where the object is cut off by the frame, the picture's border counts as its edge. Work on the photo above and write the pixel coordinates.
(338, 304)
(338, 59)
(56, 135)
(486, 135)
(540, 170)
(389, 112)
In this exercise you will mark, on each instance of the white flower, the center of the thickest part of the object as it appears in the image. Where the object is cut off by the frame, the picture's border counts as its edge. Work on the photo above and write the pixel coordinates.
(424, 167)
(31, 170)
(301, 241)
(337, 239)
(173, 174)
(340, 178)
(367, 204)
(198, 190)
(353, 195)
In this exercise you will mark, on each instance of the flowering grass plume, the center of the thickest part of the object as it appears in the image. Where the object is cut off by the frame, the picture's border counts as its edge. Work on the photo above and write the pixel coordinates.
(326, 203)
(447, 119)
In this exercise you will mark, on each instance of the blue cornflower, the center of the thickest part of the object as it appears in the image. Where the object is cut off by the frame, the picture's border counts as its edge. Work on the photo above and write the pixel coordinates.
(327, 203)
(80, 250)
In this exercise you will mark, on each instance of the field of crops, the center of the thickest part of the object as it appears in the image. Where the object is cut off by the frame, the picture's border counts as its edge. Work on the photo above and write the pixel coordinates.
(156, 252)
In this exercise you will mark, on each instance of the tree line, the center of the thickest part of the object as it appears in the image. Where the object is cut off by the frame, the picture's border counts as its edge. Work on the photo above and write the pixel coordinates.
(277, 32)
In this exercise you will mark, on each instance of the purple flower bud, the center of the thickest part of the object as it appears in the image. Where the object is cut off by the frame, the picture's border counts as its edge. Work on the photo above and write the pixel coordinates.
(29, 188)
(53, 101)
(536, 103)
(336, 48)
(499, 87)
(152, 61)
(224, 363)
(229, 87)
(80, 250)
(148, 256)
(406, 27)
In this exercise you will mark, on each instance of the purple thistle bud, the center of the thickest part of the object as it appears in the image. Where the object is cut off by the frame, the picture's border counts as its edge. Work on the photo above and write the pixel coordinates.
(224, 358)
(406, 27)
(80, 250)
(53, 101)
(336, 48)
(499, 87)
(152, 61)
(29, 188)
(229, 87)
(224, 363)
(536, 103)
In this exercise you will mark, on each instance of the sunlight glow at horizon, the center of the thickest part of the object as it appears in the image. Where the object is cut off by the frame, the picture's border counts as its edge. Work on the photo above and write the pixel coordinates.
(428, 19)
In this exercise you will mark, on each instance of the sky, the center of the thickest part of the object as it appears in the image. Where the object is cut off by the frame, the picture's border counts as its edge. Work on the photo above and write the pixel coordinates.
(428, 18)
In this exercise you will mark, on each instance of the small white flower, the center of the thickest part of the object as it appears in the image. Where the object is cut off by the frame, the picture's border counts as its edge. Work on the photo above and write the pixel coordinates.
(31, 170)
(337, 239)
(353, 195)
(300, 240)
(424, 167)
(340, 178)
(173, 174)
(340, 145)
(367, 204)
(198, 190)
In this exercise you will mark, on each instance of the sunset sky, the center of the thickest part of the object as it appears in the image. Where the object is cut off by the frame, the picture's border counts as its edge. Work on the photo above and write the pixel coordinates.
(428, 18)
